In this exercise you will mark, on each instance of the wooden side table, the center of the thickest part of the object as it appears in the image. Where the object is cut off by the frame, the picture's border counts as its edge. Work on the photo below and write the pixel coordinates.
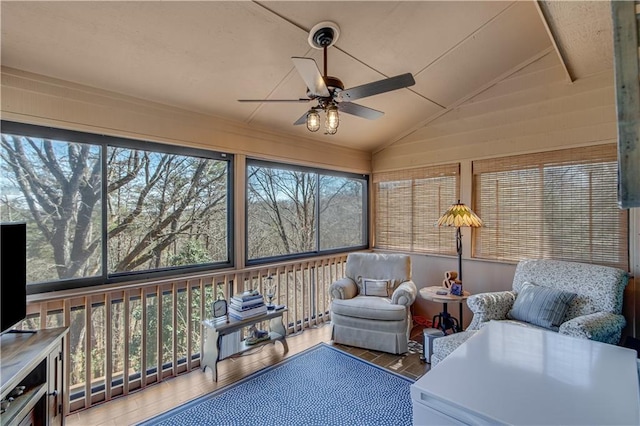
(445, 320)
(215, 330)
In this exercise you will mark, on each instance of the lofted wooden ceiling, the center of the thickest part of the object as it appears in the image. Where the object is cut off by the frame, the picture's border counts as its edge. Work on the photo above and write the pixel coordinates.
(203, 56)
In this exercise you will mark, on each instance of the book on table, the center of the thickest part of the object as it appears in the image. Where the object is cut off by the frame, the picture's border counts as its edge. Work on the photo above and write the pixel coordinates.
(249, 304)
(247, 313)
(246, 296)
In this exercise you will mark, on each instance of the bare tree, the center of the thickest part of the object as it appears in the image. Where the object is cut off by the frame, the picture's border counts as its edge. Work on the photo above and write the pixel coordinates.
(156, 200)
(282, 212)
(156, 204)
(284, 201)
(61, 185)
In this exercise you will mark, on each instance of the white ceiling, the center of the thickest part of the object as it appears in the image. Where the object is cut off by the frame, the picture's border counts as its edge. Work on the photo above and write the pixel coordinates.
(203, 56)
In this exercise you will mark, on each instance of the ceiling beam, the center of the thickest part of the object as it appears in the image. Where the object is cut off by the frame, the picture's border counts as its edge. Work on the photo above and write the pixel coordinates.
(545, 22)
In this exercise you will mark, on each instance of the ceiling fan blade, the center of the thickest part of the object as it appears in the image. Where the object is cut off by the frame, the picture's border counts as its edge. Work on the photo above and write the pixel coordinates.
(377, 87)
(301, 120)
(275, 100)
(359, 110)
(308, 70)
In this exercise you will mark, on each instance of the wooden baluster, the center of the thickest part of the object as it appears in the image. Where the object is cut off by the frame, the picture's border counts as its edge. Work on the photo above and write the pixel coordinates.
(66, 312)
(189, 328)
(127, 338)
(174, 332)
(87, 351)
(108, 359)
(159, 333)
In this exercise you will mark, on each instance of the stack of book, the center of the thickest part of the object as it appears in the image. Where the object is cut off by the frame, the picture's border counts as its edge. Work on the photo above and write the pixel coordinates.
(247, 305)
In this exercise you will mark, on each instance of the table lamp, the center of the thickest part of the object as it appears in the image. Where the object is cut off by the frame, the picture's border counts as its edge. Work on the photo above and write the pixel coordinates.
(459, 215)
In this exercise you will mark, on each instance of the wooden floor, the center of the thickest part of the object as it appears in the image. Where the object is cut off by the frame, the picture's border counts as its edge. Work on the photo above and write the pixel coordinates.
(171, 393)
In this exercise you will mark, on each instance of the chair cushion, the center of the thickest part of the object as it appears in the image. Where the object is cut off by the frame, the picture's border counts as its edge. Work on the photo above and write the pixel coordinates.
(369, 307)
(373, 287)
(382, 266)
(542, 306)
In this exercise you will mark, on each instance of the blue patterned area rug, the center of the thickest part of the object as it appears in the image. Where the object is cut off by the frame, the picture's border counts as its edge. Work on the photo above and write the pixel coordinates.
(320, 386)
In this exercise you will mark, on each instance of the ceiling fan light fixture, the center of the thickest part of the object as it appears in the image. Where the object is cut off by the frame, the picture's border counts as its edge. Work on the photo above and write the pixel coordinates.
(329, 131)
(333, 119)
(313, 120)
(329, 92)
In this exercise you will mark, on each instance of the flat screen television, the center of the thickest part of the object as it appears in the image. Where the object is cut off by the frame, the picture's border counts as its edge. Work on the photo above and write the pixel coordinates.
(13, 274)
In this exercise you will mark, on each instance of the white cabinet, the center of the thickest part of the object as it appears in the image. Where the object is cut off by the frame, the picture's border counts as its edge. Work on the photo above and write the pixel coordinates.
(510, 374)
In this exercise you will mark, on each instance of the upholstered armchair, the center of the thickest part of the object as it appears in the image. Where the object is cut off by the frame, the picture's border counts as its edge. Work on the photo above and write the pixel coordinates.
(371, 304)
(576, 299)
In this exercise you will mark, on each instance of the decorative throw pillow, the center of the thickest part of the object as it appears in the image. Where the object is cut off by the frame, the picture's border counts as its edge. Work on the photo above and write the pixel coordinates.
(541, 306)
(373, 287)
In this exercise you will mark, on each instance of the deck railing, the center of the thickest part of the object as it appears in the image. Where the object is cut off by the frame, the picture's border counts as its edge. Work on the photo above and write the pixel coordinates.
(152, 330)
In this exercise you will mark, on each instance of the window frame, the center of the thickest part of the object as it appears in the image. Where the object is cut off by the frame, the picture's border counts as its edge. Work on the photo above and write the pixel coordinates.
(104, 142)
(318, 171)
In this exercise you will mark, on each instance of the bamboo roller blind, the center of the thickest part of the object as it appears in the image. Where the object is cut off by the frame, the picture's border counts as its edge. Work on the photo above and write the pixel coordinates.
(558, 204)
(408, 204)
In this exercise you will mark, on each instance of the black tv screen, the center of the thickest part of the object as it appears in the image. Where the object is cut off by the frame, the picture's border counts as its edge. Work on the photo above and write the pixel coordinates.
(13, 274)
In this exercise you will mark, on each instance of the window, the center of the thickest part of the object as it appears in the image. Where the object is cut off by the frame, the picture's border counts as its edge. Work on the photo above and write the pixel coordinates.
(100, 209)
(408, 204)
(295, 211)
(165, 210)
(559, 204)
(55, 186)
(342, 212)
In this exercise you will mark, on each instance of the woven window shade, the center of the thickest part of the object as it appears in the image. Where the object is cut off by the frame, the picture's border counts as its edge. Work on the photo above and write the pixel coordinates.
(556, 205)
(409, 203)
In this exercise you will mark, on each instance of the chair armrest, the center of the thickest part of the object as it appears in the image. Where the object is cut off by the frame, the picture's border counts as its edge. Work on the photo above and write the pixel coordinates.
(600, 326)
(405, 294)
(344, 288)
(489, 306)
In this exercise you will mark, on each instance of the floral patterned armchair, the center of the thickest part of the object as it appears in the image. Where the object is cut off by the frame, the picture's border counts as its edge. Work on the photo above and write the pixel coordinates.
(593, 312)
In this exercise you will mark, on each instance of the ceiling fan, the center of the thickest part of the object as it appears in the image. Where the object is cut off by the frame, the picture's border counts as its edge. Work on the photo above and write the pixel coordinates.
(329, 92)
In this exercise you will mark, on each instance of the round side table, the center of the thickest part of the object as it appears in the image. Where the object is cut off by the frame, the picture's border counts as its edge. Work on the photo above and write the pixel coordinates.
(444, 319)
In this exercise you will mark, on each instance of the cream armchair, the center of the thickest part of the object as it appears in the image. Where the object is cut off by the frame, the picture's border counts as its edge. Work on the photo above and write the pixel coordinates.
(371, 304)
(592, 310)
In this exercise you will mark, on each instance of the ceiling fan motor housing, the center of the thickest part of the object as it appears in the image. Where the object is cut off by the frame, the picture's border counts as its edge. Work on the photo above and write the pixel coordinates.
(324, 34)
(335, 86)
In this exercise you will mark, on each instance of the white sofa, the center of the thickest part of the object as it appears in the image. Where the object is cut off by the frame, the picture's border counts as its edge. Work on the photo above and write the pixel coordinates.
(593, 313)
(380, 321)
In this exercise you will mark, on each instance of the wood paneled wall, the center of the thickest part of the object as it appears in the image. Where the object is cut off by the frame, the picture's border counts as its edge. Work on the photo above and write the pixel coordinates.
(36, 99)
(535, 109)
